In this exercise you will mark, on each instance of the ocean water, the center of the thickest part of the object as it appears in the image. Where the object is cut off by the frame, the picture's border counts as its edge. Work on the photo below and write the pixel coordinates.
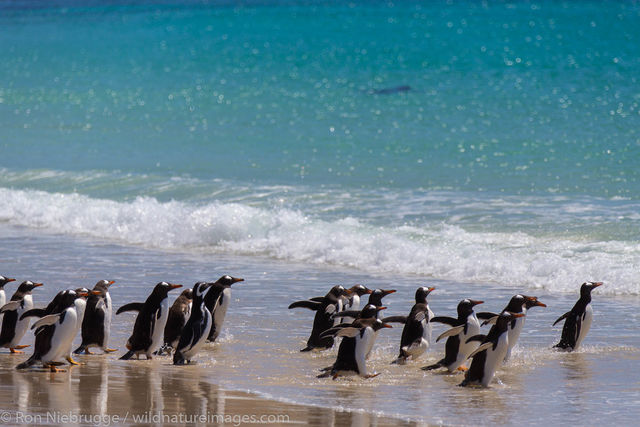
(485, 147)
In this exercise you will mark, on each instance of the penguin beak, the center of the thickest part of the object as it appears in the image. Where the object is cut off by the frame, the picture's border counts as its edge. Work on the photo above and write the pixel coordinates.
(388, 292)
(473, 302)
(431, 289)
(174, 286)
(539, 304)
(83, 294)
(236, 280)
(516, 315)
(95, 292)
(11, 280)
(380, 308)
(37, 285)
(596, 284)
(386, 325)
(111, 282)
(368, 291)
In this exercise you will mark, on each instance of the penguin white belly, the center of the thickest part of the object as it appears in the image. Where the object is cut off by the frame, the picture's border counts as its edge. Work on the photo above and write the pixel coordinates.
(221, 311)
(428, 328)
(158, 329)
(62, 337)
(22, 325)
(189, 353)
(585, 325)
(364, 343)
(107, 320)
(465, 349)
(494, 359)
(80, 305)
(3, 301)
(514, 334)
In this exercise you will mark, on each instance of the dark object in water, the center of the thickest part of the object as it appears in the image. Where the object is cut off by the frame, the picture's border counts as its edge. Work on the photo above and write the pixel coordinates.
(391, 90)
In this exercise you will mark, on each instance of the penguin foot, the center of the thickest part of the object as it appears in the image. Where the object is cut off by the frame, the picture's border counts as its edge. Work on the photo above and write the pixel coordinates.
(371, 375)
(462, 368)
(73, 362)
(149, 357)
(110, 350)
(17, 348)
(52, 368)
(87, 351)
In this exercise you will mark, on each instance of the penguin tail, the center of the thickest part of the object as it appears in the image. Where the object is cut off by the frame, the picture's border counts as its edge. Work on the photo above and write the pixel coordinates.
(434, 366)
(80, 349)
(307, 348)
(128, 355)
(326, 369)
(28, 363)
(326, 374)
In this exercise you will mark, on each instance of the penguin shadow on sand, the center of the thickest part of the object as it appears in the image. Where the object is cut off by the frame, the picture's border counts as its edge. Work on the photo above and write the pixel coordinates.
(576, 368)
(187, 392)
(93, 387)
(142, 388)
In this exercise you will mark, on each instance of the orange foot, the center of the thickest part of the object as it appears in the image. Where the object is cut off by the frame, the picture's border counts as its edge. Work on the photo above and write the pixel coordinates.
(462, 368)
(17, 348)
(110, 350)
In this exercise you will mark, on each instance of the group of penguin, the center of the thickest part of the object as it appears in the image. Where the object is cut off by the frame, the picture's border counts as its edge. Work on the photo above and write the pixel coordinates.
(195, 317)
(338, 315)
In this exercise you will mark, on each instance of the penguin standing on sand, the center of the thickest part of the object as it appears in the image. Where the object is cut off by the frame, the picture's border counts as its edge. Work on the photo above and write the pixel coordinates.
(217, 301)
(196, 330)
(149, 326)
(490, 354)
(96, 324)
(578, 320)
(324, 307)
(359, 337)
(517, 304)
(3, 296)
(457, 349)
(178, 315)
(416, 334)
(13, 327)
(55, 332)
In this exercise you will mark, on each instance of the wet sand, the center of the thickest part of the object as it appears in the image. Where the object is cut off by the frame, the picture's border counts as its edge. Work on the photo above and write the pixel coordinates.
(107, 391)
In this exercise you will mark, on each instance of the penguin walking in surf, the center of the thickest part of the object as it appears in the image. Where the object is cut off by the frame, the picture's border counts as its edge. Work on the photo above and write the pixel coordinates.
(577, 321)
(54, 332)
(416, 334)
(217, 302)
(457, 349)
(178, 315)
(196, 330)
(324, 307)
(490, 353)
(358, 338)
(517, 304)
(13, 326)
(375, 298)
(96, 323)
(148, 329)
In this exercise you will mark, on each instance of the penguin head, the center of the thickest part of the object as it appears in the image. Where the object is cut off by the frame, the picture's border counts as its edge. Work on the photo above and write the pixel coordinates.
(163, 288)
(338, 291)
(187, 293)
(505, 317)
(379, 324)
(199, 290)
(360, 290)
(5, 280)
(27, 286)
(227, 280)
(82, 292)
(422, 292)
(370, 310)
(376, 296)
(103, 286)
(70, 296)
(465, 307)
(533, 302)
(587, 287)
(516, 303)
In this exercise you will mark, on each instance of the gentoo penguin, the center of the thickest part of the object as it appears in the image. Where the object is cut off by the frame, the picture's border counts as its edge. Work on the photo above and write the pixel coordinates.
(217, 301)
(517, 304)
(196, 330)
(490, 354)
(55, 332)
(178, 315)
(578, 320)
(351, 359)
(457, 349)
(13, 327)
(416, 334)
(324, 307)
(150, 322)
(96, 324)
(352, 302)
(375, 298)
(80, 304)
(3, 296)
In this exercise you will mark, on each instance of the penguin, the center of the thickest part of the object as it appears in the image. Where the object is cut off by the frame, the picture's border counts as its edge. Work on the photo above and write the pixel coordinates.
(96, 323)
(517, 304)
(352, 302)
(375, 298)
(178, 315)
(55, 332)
(196, 330)
(324, 307)
(80, 304)
(150, 322)
(456, 348)
(416, 334)
(578, 320)
(490, 353)
(217, 301)
(3, 297)
(13, 327)
(358, 337)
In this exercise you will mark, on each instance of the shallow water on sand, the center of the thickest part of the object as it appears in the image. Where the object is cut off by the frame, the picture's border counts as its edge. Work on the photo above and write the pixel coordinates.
(258, 349)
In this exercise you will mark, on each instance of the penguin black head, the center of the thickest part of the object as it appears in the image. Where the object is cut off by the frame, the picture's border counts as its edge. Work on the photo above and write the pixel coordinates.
(70, 296)
(103, 286)
(504, 318)
(360, 290)
(227, 280)
(465, 307)
(187, 293)
(370, 310)
(376, 296)
(533, 302)
(379, 324)
(422, 292)
(516, 303)
(82, 292)
(587, 287)
(163, 288)
(338, 290)
(199, 289)
(5, 280)
(27, 286)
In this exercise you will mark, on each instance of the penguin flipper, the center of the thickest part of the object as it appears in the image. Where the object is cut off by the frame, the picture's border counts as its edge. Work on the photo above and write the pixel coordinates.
(10, 306)
(348, 332)
(334, 331)
(346, 313)
(34, 312)
(311, 305)
(490, 320)
(486, 315)
(450, 332)
(480, 348)
(132, 306)
(479, 337)
(564, 316)
(46, 321)
(397, 319)
(451, 321)
(317, 299)
(128, 355)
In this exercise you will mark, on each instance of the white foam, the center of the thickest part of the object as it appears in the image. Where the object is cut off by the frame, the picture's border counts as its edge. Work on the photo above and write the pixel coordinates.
(437, 249)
